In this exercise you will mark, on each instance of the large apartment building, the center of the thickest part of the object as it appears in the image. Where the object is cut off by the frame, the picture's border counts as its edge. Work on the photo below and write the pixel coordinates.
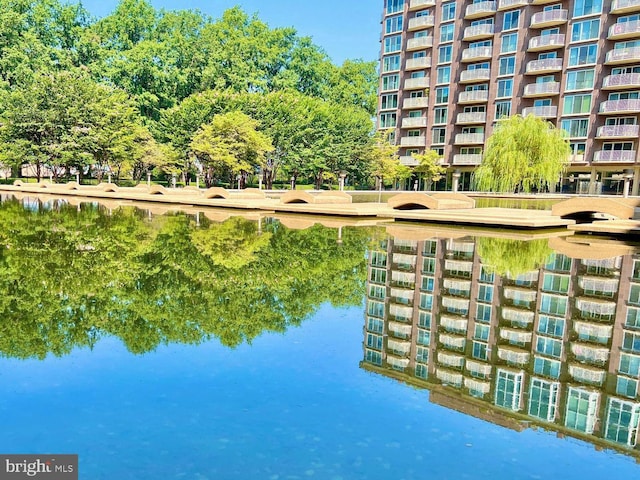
(450, 69)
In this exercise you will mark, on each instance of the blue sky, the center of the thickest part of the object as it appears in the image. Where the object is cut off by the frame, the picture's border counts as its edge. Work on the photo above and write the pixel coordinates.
(343, 28)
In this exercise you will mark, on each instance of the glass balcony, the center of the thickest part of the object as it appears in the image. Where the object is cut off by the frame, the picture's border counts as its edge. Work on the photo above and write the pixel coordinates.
(408, 160)
(476, 54)
(480, 9)
(469, 139)
(419, 43)
(547, 111)
(624, 30)
(416, 83)
(420, 23)
(630, 105)
(416, 102)
(507, 4)
(417, 63)
(414, 122)
(478, 32)
(547, 65)
(546, 42)
(549, 18)
(618, 131)
(420, 141)
(541, 89)
(542, 2)
(419, 4)
(625, 6)
(477, 75)
(619, 56)
(473, 96)
(467, 159)
(621, 81)
(471, 117)
(615, 156)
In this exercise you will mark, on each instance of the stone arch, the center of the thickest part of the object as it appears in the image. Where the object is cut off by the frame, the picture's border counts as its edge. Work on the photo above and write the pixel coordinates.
(107, 187)
(412, 201)
(157, 190)
(72, 186)
(333, 197)
(215, 192)
(18, 183)
(296, 196)
(459, 197)
(584, 209)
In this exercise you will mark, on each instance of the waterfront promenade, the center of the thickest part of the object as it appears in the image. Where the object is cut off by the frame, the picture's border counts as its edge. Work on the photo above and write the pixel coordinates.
(619, 216)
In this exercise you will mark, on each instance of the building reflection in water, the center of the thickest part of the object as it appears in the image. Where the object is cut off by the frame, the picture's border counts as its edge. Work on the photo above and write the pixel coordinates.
(557, 346)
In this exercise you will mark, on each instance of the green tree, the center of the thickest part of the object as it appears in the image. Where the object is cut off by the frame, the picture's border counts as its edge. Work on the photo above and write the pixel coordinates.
(383, 157)
(231, 144)
(506, 256)
(429, 167)
(523, 154)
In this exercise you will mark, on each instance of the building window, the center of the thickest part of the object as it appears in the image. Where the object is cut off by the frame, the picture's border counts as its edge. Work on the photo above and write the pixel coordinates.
(549, 346)
(439, 135)
(503, 110)
(442, 94)
(583, 55)
(546, 367)
(505, 88)
(507, 65)
(375, 325)
(483, 313)
(447, 32)
(390, 82)
(444, 54)
(387, 120)
(481, 332)
(576, 128)
(551, 326)
(391, 63)
(554, 305)
(394, 6)
(485, 293)
(511, 20)
(389, 101)
(440, 115)
(509, 43)
(576, 104)
(392, 44)
(479, 351)
(448, 11)
(586, 30)
(393, 24)
(555, 283)
(443, 75)
(587, 7)
(580, 80)
(629, 364)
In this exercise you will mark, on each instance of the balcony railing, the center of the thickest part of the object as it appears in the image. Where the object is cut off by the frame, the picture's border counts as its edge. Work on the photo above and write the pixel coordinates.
(415, 102)
(623, 55)
(419, 43)
(469, 138)
(476, 53)
(477, 75)
(549, 18)
(414, 122)
(625, 6)
(546, 42)
(473, 96)
(476, 32)
(408, 160)
(467, 159)
(544, 66)
(418, 23)
(622, 80)
(619, 156)
(480, 9)
(630, 105)
(618, 131)
(472, 117)
(542, 89)
(418, 4)
(418, 63)
(506, 4)
(420, 141)
(546, 111)
(416, 83)
(622, 30)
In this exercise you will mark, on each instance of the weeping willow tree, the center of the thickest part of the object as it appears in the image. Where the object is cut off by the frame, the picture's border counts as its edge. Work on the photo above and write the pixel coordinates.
(506, 256)
(523, 154)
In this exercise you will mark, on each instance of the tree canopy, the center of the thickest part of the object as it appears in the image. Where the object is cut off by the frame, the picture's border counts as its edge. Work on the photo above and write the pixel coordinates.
(523, 154)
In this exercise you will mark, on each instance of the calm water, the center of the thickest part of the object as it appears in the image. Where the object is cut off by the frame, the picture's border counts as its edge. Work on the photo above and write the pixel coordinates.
(178, 346)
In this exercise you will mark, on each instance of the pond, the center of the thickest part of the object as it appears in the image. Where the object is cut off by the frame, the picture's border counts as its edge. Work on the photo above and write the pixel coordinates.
(200, 345)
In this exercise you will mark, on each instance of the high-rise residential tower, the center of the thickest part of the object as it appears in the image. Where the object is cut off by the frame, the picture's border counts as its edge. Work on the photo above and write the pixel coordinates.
(449, 70)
